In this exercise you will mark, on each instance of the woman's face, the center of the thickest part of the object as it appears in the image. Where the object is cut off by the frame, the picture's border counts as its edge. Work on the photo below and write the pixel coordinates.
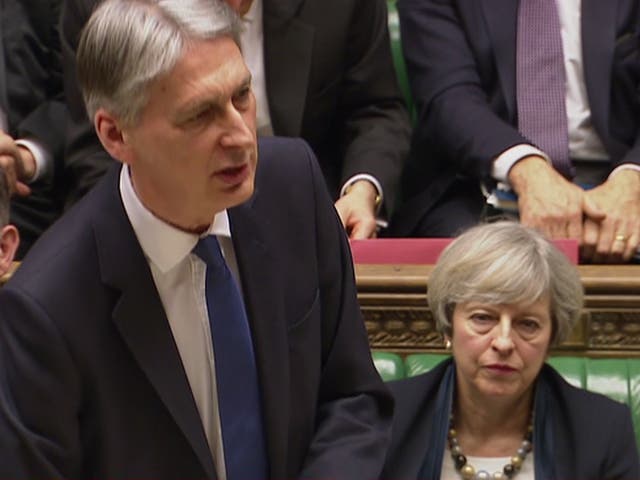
(499, 349)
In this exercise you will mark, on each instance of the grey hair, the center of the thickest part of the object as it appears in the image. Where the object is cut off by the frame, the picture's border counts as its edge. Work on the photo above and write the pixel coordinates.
(4, 198)
(127, 44)
(503, 263)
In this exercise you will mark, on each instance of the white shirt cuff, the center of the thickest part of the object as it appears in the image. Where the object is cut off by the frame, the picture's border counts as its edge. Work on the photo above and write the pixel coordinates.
(507, 159)
(370, 178)
(41, 155)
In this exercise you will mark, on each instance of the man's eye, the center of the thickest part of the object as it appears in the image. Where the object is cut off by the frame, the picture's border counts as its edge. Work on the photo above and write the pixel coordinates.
(201, 114)
(241, 99)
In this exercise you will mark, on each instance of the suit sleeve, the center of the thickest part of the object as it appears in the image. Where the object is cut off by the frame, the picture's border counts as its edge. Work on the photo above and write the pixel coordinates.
(354, 407)
(85, 160)
(36, 368)
(376, 131)
(454, 113)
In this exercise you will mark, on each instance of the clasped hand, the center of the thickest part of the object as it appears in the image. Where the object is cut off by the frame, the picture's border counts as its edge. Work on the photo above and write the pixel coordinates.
(605, 220)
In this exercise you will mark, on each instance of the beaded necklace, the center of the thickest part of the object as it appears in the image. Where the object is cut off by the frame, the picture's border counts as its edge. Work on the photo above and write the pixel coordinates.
(468, 472)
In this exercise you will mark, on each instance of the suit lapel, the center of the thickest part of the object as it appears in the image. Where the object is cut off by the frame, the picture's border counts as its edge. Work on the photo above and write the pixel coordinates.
(288, 44)
(141, 320)
(264, 295)
(502, 18)
(598, 42)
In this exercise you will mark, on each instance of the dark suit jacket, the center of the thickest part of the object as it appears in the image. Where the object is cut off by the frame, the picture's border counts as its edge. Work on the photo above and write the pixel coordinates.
(330, 80)
(460, 57)
(31, 93)
(577, 434)
(92, 385)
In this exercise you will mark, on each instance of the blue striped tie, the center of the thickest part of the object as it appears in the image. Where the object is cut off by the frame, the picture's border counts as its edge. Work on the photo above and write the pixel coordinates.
(236, 377)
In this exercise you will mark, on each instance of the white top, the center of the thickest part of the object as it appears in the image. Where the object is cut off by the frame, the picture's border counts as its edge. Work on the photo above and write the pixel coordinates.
(179, 276)
(488, 464)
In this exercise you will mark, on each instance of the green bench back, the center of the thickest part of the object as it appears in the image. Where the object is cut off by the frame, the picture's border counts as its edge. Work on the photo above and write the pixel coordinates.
(618, 378)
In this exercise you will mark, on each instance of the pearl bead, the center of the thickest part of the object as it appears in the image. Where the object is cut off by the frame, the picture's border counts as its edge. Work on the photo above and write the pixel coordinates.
(516, 461)
(467, 472)
(483, 475)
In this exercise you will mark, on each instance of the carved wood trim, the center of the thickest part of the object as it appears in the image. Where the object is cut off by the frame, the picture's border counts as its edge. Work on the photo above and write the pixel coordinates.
(394, 305)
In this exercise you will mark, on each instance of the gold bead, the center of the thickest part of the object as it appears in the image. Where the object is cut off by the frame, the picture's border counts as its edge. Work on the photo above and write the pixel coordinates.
(453, 433)
(516, 461)
(467, 472)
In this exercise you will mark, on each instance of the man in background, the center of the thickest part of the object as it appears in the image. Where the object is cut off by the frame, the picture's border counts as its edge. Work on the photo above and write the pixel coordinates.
(536, 98)
(32, 113)
(321, 70)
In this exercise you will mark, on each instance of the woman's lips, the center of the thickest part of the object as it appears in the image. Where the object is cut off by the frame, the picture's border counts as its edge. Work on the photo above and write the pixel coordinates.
(499, 368)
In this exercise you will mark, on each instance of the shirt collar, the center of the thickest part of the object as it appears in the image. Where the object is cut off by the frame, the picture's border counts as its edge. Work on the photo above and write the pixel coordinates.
(254, 12)
(164, 245)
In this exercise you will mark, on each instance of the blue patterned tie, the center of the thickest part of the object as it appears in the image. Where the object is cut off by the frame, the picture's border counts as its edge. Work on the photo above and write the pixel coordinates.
(540, 81)
(236, 376)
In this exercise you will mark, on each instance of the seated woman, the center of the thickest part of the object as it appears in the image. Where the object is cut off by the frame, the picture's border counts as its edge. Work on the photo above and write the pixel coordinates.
(502, 295)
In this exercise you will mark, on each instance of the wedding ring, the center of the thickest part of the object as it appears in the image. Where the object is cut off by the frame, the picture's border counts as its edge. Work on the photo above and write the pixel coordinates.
(621, 238)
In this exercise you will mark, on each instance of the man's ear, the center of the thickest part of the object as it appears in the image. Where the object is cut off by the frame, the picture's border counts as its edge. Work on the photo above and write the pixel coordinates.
(112, 136)
(9, 241)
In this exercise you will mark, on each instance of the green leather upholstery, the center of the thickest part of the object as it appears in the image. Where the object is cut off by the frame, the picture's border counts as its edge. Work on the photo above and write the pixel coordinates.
(389, 365)
(618, 378)
(398, 58)
(422, 362)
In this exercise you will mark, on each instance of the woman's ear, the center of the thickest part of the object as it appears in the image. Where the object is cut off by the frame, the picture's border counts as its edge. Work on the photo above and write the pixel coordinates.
(9, 241)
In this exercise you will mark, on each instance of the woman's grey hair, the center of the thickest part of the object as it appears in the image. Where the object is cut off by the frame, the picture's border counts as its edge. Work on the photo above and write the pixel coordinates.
(505, 263)
(127, 44)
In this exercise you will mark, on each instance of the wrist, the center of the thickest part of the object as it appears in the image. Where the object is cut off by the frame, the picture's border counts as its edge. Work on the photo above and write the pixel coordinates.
(366, 190)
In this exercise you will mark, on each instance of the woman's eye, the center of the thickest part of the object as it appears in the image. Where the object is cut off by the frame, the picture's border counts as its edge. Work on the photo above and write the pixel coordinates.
(482, 322)
(528, 325)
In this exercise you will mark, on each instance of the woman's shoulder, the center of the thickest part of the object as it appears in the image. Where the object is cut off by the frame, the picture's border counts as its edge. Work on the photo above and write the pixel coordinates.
(422, 383)
(581, 399)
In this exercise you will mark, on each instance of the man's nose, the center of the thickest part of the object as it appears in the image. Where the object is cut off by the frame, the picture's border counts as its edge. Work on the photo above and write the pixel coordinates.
(237, 133)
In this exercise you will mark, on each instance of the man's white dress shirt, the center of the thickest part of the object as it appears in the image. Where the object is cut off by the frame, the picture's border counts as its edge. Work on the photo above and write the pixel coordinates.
(179, 276)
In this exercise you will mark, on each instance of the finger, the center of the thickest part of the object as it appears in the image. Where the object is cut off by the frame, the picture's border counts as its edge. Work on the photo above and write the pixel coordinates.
(7, 163)
(575, 228)
(363, 229)
(22, 189)
(590, 234)
(631, 248)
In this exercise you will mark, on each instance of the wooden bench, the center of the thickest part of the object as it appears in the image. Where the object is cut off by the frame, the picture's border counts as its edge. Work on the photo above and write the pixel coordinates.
(394, 304)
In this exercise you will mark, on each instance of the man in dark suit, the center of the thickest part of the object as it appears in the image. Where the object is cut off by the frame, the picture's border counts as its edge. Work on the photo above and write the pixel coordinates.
(462, 61)
(33, 115)
(322, 71)
(107, 364)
